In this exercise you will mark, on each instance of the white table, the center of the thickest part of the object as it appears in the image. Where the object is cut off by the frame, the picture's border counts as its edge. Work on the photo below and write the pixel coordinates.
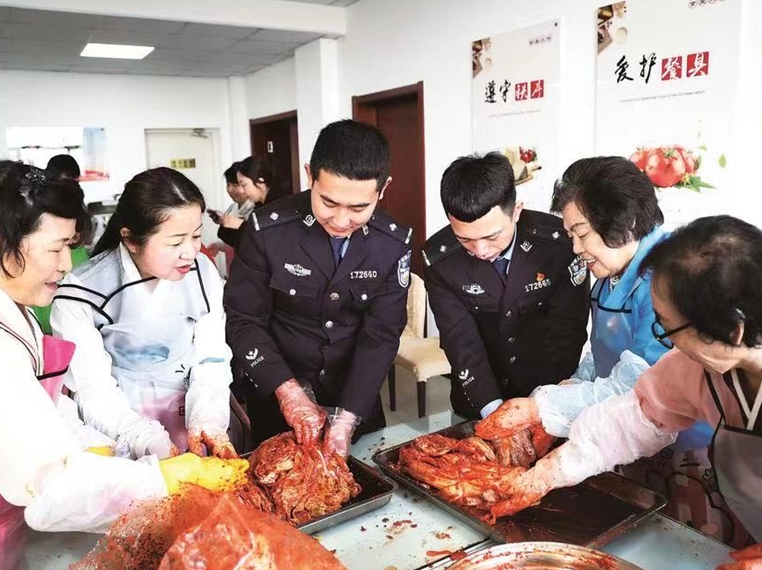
(397, 536)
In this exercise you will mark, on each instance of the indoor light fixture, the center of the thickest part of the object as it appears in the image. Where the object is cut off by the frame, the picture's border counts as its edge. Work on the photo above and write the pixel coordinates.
(116, 51)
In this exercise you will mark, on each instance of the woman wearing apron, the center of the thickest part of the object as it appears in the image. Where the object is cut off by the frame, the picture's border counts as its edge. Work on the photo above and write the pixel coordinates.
(611, 212)
(706, 285)
(47, 480)
(152, 369)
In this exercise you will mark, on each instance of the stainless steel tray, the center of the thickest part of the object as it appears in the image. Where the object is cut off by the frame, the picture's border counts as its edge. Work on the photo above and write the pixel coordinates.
(377, 491)
(590, 514)
(544, 555)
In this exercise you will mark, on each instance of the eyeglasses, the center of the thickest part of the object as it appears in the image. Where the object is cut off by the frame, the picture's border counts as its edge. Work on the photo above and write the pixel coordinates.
(662, 335)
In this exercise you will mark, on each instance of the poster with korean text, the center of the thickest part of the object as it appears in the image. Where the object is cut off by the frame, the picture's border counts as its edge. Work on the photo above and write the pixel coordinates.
(515, 105)
(666, 83)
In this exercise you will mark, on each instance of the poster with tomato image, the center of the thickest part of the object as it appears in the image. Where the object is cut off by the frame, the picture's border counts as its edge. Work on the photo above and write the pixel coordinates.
(667, 79)
(515, 105)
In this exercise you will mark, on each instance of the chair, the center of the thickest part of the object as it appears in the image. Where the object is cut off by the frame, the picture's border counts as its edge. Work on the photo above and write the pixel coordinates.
(421, 356)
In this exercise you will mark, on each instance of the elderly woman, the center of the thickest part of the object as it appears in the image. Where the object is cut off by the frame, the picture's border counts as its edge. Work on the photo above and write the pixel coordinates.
(47, 479)
(611, 212)
(706, 283)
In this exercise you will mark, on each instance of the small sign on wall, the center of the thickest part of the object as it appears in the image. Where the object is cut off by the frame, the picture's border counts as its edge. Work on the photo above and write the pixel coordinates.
(181, 163)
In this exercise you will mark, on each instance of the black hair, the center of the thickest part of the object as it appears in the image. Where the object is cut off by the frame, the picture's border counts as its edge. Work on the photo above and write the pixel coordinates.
(255, 167)
(615, 196)
(144, 206)
(473, 185)
(64, 165)
(230, 174)
(352, 150)
(711, 271)
(26, 193)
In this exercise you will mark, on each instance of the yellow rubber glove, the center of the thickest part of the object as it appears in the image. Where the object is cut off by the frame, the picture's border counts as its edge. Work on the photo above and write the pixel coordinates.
(104, 450)
(209, 472)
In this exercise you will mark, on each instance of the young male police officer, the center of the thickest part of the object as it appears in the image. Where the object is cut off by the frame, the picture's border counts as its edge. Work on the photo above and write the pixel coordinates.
(317, 294)
(509, 298)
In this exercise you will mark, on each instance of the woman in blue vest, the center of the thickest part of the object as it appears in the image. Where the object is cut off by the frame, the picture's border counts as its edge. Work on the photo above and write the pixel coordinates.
(611, 212)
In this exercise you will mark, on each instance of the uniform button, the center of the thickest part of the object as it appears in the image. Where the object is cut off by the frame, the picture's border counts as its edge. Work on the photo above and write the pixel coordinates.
(511, 340)
(292, 292)
(509, 314)
(539, 304)
(334, 296)
(512, 359)
(322, 372)
(329, 324)
(364, 296)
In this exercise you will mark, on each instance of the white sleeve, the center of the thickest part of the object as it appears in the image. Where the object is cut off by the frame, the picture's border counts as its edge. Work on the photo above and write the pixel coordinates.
(586, 370)
(615, 432)
(102, 403)
(88, 492)
(207, 403)
(43, 467)
(559, 405)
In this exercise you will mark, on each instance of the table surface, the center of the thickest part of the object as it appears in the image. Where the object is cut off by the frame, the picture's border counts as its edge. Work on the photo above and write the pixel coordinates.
(399, 535)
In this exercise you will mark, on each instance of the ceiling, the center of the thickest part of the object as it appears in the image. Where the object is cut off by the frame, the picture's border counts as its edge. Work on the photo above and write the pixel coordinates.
(42, 40)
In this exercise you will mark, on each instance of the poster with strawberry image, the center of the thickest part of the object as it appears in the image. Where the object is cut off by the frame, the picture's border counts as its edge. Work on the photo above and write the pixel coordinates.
(667, 78)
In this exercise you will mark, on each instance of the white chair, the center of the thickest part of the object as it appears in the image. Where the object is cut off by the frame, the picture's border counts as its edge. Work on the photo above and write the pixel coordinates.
(421, 356)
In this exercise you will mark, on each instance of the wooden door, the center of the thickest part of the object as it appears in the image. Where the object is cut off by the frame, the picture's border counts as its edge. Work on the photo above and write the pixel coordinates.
(276, 138)
(399, 115)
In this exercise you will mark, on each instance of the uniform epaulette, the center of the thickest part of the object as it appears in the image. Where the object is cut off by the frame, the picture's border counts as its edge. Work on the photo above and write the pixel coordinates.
(441, 245)
(382, 221)
(279, 212)
(546, 227)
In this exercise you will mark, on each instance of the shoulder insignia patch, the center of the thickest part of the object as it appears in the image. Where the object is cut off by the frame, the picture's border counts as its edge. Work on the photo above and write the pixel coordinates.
(383, 222)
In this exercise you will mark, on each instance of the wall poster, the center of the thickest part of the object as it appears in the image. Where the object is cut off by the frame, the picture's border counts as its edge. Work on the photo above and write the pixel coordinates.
(515, 105)
(666, 82)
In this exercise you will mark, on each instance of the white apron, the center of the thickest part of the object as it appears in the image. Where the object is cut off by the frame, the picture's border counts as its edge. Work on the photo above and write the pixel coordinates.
(148, 328)
(736, 455)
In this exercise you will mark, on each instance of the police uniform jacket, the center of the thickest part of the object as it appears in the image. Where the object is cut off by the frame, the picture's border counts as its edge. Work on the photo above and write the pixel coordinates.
(292, 314)
(504, 338)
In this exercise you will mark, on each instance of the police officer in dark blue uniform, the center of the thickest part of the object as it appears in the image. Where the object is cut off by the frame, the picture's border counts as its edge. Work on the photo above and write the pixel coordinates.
(509, 297)
(317, 294)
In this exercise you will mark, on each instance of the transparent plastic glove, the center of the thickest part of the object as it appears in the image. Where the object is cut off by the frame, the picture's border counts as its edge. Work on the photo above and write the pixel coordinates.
(750, 558)
(526, 489)
(211, 443)
(297, 404)
(141, 436)
(511, 417)
(209, 472)
(516, 450)
(161, 446)
(338, 435)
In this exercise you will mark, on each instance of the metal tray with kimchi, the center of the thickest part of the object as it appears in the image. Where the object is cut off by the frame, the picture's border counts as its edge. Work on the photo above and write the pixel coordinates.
(376, 492)
(591, 514)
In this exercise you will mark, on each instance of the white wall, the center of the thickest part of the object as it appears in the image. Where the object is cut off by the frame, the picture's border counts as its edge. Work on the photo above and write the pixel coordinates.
(390, 43)
(125, 106)
(272, 90)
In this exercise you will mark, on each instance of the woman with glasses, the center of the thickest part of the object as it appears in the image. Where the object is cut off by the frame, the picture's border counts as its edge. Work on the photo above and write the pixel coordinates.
(706, 283)
(611, 212)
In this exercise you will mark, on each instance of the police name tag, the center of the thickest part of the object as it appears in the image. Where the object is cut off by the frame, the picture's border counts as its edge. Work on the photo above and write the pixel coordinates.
(540, 282)
(364, 274)
(297, 270)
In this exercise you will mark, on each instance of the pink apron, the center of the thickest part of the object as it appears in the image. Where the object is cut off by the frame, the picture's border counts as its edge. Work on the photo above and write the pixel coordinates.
(57, 354)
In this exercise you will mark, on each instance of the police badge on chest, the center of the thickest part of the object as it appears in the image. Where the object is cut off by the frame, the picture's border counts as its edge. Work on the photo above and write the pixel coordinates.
(540, 282)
